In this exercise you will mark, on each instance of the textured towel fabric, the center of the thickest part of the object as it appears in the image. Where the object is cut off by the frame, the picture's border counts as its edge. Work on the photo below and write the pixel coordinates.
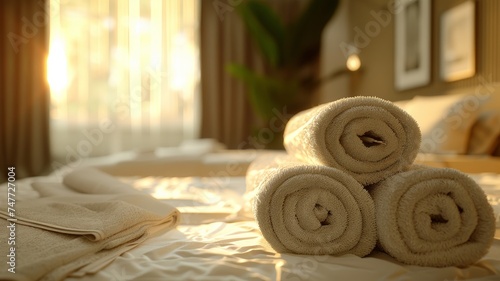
(69, 233)
(93, 181)
(310, 209)
(366, 137)
(433, 217)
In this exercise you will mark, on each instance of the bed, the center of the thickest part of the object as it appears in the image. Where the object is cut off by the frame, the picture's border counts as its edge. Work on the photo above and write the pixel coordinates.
(217, 237)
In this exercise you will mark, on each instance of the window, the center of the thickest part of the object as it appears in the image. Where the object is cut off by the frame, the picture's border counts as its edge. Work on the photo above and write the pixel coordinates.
(124, 75)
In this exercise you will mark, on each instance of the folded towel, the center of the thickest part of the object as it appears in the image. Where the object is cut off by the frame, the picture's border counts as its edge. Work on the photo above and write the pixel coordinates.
(366, 137)
(433, 217)
(94, 181)
(310, 209)
(68, 233)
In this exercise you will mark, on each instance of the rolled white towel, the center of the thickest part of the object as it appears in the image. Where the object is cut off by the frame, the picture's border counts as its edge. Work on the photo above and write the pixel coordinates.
(310, 209)
(366, 137)
(433, 217)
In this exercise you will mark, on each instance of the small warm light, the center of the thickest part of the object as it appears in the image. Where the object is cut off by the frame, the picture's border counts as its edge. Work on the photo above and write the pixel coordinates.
(57, 68)
(353, 62)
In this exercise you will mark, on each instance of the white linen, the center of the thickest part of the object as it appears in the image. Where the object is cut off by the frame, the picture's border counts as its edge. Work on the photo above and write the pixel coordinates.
(234, 251)
(65, 232)
(229, 246)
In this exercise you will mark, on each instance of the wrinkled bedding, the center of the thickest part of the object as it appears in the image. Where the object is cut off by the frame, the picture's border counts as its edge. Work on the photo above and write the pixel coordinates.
(218, 240)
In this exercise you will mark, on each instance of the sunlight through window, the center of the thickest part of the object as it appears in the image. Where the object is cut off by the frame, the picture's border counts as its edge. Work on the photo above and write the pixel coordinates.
(57, 69)
(132, 64)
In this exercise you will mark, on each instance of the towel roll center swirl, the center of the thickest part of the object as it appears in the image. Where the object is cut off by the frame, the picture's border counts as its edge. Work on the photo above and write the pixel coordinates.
(322, 214)
(370, 139)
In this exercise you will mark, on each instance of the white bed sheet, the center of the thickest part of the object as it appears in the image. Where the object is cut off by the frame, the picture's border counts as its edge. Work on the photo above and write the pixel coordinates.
(217, 241)
(236, 251)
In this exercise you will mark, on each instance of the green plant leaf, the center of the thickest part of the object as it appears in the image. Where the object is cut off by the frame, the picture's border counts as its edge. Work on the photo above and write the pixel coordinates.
(270, 21)
(304, 35)
(260, 98)
(241, 72)
(261, 24)
(265, 93)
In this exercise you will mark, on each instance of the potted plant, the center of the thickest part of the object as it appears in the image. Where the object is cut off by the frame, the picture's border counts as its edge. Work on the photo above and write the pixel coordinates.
(291, 53)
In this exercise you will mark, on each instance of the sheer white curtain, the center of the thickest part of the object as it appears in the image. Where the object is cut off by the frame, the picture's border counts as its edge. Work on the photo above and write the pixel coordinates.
(124, 75)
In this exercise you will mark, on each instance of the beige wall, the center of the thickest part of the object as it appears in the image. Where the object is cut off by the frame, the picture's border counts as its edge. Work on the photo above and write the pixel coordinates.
(377, 77)
(336, 32)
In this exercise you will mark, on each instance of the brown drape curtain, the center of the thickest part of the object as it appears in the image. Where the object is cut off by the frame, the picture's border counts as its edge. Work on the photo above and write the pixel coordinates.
(226, 112)
(24, 92)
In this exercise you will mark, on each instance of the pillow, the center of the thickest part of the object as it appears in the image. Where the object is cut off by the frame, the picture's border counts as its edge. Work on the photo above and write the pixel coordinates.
(445, 121)
(485, 133)
(402, 103)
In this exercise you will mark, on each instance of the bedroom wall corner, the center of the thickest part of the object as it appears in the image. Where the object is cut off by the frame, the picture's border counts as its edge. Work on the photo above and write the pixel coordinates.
(378, 55)
(332, 57)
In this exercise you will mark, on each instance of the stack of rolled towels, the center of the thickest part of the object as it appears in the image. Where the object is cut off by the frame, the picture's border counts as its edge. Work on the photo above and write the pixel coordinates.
(347, 184)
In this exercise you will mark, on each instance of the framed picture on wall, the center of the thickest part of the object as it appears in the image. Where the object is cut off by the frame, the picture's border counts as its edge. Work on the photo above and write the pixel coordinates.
(457, 40)
(412, 44)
